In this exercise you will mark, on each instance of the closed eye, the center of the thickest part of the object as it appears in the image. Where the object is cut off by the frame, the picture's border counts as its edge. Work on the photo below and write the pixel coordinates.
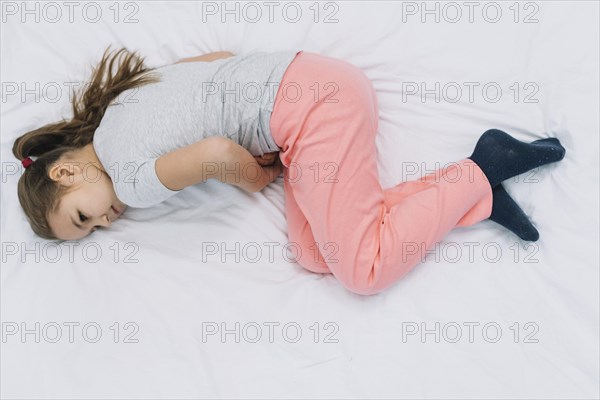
(83, 218)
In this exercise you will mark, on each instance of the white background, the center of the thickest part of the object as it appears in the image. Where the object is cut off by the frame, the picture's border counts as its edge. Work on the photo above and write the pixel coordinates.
(174, 289)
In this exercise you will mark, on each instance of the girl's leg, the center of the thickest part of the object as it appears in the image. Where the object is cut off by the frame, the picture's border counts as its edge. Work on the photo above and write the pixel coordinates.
(397, 194)
(329, 140)
(300, 235)
(307, 249)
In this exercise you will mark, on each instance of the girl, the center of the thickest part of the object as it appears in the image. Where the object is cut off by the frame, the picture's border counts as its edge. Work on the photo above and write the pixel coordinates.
(140, 135)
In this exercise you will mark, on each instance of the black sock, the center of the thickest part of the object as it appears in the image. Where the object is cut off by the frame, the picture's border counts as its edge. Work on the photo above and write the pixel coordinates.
(506, 212)
(500, 156)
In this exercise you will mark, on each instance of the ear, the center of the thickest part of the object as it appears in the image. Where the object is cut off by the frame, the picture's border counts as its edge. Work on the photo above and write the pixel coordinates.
(65, 172)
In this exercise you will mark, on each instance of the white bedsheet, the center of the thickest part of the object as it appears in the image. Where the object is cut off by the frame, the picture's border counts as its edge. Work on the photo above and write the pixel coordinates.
(528, 315)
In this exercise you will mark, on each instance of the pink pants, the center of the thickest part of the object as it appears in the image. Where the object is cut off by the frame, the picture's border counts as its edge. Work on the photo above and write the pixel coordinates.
(340, 220)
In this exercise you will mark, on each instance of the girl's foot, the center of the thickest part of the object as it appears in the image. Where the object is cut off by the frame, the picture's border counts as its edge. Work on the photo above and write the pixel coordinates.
(506, 212)
(501, 156)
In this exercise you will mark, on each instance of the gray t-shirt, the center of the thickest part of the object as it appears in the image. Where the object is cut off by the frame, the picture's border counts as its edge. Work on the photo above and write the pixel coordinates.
(231, 97)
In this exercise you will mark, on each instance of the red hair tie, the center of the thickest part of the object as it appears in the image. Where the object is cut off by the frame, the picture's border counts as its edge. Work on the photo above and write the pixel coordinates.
(27, 162)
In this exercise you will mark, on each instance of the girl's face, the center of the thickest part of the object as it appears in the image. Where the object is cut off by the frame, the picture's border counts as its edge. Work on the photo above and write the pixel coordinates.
(91, 202)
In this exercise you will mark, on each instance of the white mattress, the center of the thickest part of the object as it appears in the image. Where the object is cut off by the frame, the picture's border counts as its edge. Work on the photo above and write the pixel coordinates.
(171, 287)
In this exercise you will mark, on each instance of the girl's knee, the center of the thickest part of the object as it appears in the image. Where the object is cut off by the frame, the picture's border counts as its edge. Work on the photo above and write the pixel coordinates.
(317, 266)
(309, 258)
(370, 284)
(318, 269)
(363, 289)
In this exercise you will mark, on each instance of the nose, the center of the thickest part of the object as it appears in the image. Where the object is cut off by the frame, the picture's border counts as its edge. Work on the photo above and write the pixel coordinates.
(105, 221)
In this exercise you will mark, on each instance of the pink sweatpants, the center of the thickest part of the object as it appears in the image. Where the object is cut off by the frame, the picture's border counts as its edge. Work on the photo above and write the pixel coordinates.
(341, 221)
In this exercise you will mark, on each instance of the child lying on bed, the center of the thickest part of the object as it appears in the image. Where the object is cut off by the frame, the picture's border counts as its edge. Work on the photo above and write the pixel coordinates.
(138, 136)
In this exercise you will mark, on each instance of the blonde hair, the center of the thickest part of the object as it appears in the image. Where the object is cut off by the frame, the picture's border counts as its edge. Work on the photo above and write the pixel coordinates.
(38, 194)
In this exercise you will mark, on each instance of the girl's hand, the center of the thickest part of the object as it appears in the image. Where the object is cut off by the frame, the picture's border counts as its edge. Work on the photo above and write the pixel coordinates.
(267, 158)
(273, 171)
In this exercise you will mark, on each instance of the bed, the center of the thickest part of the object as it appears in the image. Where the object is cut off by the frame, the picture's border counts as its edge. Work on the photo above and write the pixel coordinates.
(199, 297)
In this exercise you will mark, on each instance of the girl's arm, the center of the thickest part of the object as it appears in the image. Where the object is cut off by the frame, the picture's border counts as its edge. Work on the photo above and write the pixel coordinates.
(214, 157)
(254, 174)
(208, 57)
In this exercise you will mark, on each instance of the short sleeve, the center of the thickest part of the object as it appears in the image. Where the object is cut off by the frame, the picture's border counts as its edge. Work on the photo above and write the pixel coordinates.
(139, 186)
